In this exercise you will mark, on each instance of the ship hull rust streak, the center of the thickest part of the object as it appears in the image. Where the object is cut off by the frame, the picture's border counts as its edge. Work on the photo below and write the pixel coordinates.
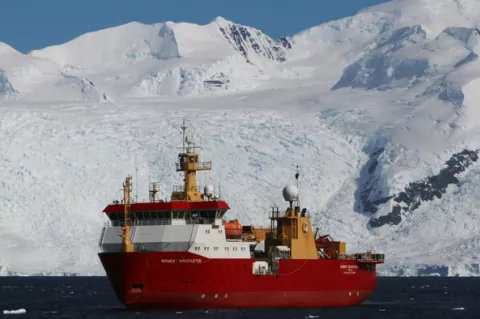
(173, 280)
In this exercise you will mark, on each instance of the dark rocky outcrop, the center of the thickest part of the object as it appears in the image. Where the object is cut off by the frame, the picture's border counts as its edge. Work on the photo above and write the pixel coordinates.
(422, 191)
(286, 43)
(245, 40)
(219, 80)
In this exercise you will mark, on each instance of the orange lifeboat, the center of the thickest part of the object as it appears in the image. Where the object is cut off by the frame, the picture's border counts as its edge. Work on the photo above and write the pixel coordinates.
(233, 229)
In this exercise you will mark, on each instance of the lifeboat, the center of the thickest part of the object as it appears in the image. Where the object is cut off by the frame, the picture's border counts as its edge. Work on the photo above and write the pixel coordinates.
(233, 229)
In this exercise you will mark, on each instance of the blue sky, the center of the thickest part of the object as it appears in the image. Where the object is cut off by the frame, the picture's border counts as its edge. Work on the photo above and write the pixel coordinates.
(34, 24)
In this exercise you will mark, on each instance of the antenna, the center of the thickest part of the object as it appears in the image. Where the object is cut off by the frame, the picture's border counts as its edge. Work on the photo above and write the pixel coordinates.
(184, 127)
(136, 179)
(297, 175)
(220, 186)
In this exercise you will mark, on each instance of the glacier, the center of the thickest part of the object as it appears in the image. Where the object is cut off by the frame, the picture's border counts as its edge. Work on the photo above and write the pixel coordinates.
(378, 110)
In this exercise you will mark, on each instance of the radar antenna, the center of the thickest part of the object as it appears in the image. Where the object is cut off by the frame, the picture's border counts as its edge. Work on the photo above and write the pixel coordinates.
(136, 179)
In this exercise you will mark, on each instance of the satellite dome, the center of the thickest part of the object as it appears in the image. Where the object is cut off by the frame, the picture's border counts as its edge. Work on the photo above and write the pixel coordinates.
(290, 193)
(208, 190)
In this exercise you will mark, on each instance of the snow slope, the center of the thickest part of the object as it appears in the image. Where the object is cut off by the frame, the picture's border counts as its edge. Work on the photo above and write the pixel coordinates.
(138, 60)
(30, 78)
(378, 109)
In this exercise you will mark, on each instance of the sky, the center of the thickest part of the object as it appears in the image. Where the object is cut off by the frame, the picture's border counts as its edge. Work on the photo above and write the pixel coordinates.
(33, 24)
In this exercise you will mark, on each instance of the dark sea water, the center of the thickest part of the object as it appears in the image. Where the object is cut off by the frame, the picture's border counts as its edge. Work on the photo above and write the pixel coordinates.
(92, 297)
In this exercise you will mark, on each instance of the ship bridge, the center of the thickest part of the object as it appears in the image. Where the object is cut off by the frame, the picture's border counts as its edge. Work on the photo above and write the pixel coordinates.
(169, 213)
(190, 221)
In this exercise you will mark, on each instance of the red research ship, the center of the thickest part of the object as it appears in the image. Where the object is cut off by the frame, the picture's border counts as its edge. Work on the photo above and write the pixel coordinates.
(181, 254)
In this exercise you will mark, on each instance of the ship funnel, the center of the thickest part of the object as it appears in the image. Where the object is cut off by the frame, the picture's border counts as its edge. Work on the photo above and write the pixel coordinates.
(290, 193)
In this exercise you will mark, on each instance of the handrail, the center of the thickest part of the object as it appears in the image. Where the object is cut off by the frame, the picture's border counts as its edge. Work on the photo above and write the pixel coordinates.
(367, 256)
(154, 222)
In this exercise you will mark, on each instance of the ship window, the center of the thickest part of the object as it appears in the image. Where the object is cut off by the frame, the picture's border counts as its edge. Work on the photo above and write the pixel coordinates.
(179, 214)
(164, 215)
(220, 213)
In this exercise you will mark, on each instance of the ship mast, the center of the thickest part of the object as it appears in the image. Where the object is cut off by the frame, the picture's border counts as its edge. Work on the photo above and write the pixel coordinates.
(127, 245)
(189, 164)
(297, 175)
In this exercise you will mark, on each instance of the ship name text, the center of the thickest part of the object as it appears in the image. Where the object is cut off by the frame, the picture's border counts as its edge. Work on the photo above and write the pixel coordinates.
(349, 269)
(184, 261)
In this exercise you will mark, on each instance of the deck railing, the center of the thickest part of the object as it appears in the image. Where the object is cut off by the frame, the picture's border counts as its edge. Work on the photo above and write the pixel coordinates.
(364, 257)
(200, 166)
(182, 189)
(154, 222)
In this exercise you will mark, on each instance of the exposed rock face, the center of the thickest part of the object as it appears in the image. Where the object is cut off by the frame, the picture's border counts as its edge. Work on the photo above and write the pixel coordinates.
(415, 193)
(248, 40)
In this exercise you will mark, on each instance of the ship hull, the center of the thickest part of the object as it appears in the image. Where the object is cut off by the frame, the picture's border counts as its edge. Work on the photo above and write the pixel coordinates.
(182, 280)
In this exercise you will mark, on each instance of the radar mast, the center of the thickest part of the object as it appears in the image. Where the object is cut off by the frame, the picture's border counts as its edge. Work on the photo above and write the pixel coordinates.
(188, 162)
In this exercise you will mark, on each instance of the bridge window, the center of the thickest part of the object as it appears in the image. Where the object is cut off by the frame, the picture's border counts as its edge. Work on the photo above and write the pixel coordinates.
(201, 217)
(220, 213)
(178, 214)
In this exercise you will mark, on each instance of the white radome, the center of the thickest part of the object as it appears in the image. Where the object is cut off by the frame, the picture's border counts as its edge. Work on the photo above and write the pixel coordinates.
(290, 193)
(208, 190)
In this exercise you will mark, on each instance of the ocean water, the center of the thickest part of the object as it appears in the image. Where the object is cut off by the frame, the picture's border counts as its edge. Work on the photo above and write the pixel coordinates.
(92, 297)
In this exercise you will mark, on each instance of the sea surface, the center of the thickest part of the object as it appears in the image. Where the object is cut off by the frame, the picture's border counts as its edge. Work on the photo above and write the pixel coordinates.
(92, 297)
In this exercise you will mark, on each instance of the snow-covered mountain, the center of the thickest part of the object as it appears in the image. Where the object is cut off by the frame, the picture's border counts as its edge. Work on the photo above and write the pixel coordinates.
(138, 60)
(378, 109)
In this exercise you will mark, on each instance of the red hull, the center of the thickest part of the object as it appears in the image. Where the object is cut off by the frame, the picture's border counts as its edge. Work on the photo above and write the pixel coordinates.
(180, 280)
